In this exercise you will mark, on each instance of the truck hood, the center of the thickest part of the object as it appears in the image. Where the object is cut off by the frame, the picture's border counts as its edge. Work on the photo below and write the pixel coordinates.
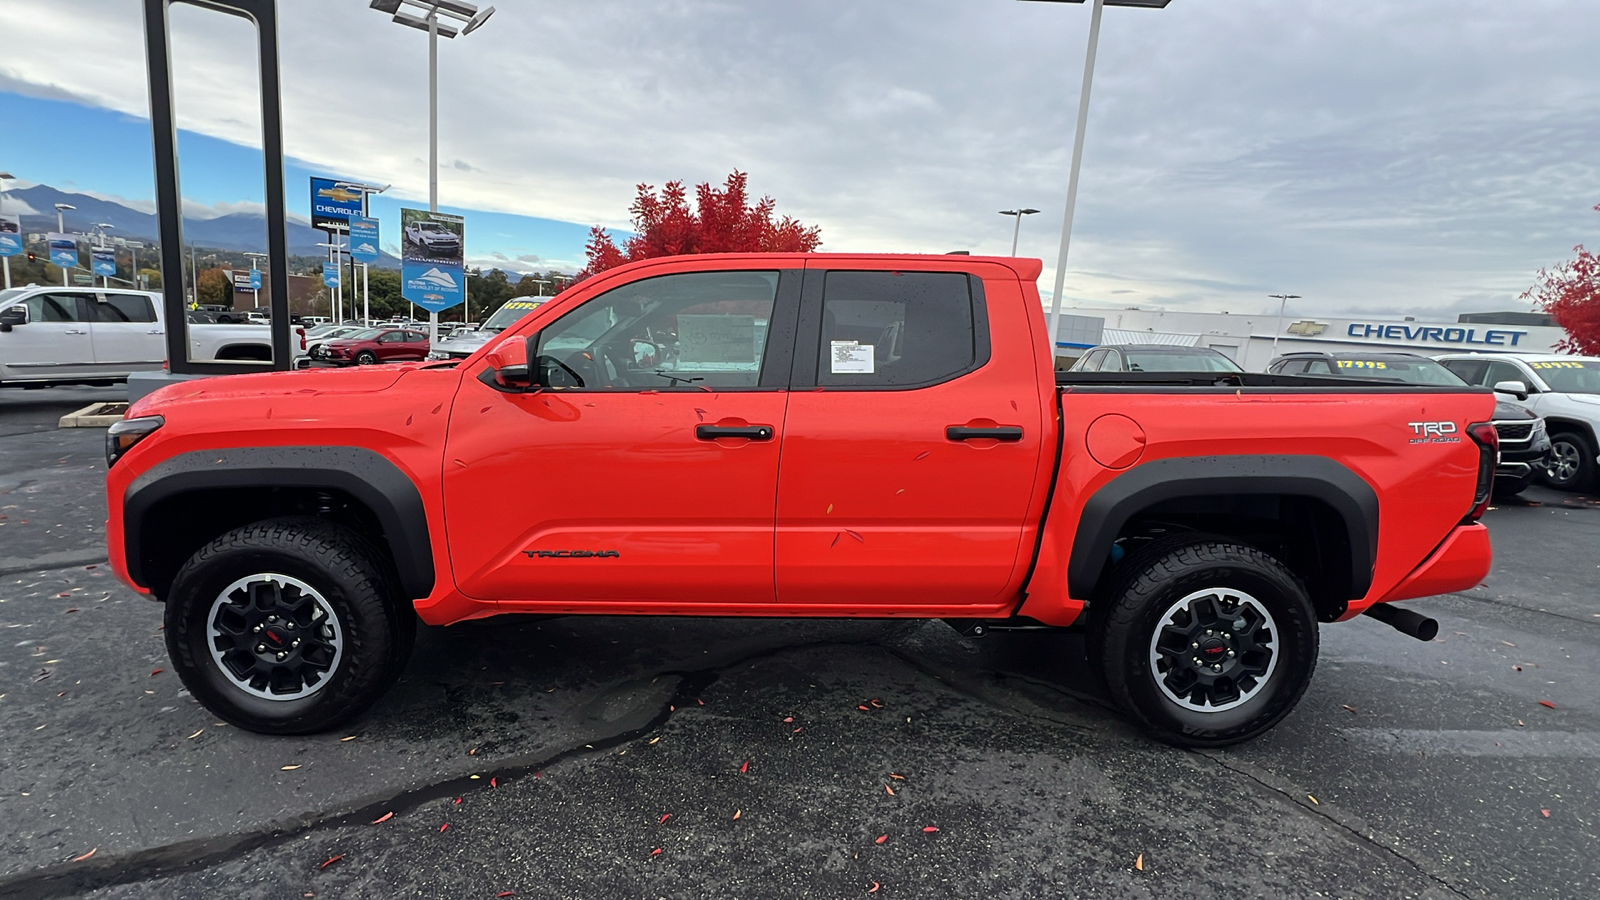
(360, 380)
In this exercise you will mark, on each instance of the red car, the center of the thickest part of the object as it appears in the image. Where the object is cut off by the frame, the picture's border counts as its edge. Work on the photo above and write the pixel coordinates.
(376, 345)
(795, 435)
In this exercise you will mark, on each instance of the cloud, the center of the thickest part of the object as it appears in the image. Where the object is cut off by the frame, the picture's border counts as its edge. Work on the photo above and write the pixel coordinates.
(1387, 156)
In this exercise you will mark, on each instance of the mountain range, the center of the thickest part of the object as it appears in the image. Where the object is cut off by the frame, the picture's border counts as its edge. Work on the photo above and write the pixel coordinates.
(237, 231)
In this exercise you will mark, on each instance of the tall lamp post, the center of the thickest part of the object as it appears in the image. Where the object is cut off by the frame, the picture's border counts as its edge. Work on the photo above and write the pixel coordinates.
(61, 227)
(468, 18)
(6, 260)
(1077, 148)
(1283, 302)
(1016, 232)
(100, 241)
(133, 248)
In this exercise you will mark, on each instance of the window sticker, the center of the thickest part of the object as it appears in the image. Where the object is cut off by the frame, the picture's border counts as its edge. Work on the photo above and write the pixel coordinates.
(851, 358)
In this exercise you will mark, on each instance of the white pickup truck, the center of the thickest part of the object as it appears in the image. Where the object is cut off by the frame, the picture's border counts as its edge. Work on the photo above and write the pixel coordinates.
(70, 335)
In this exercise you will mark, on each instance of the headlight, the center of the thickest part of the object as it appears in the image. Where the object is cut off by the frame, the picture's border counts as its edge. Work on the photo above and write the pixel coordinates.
(122, 436)
(1538, 426)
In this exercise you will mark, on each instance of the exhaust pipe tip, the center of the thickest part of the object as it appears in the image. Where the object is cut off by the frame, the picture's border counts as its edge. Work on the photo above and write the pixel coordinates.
(1405, 621)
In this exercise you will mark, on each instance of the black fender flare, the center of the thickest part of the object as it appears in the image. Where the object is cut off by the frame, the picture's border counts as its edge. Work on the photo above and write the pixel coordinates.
(1108, 509)
(363, 474)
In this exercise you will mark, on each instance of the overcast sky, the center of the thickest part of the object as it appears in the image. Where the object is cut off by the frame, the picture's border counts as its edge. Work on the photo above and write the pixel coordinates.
(1383, 156)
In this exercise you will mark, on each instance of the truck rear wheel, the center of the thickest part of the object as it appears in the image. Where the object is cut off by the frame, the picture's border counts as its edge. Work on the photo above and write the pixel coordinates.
(287, 626)
(1205, 643)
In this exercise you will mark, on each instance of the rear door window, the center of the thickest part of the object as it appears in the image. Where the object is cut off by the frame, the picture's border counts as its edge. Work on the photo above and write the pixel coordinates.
(895, 330)
(123, 308)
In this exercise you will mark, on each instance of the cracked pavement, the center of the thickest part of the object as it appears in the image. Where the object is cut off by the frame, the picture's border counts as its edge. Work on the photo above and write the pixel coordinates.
(1409, 769)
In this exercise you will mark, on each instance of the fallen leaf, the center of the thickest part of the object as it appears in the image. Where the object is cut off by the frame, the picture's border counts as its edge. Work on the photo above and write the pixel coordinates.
(929, 829)
(494, 781)
(881, 839)
(656, 852)
(505, 894)
(654, 739)
(737, 813)
(1348, 707)
(877, 703)
(156, 672)
(1545, 813)
(331, 860)
(1547, 703)
(1508, 643)
(457, 801)
(1139, 863)
(664, 818)
(1313, 799)
(473, 752)
(863, 709)
(85, 856)
(788, 719)
(193, 736)
(444, 826)
(796, 731)
(348, 738)
(890, 790)
(897, 777)
(290, 768)
(383, 818)
(1519, 723)
(699, 701)
(873, 889)
(744, 768)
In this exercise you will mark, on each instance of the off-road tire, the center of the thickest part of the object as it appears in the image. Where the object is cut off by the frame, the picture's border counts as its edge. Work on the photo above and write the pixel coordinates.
(376, 624)
(1148, 585)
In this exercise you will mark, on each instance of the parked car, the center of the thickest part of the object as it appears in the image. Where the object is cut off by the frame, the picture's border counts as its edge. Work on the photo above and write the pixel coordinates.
(1525, 448)
(318, 337)
(888, 444)
(62, 335)
(1565, 390)
(1153, 358)
(376, 345)
(466, 342)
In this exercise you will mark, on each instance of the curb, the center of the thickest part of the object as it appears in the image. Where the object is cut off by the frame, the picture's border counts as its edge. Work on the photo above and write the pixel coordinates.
(95, 415)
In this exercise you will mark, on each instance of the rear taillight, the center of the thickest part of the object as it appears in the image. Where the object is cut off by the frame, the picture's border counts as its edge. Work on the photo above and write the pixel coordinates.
(1488, 441)
(302, 337)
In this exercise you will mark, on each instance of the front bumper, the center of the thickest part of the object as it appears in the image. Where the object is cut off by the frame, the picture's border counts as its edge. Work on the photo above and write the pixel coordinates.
(1524, 450)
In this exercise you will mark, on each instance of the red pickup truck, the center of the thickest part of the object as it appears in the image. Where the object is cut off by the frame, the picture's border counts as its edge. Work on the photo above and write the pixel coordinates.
(794, 435)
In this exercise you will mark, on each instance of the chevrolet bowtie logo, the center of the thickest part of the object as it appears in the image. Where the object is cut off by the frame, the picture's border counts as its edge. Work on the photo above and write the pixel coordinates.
(1307, 328)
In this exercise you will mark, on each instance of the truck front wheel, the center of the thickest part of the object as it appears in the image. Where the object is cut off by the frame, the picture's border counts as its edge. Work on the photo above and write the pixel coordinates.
(286, 626)
(1206, 643)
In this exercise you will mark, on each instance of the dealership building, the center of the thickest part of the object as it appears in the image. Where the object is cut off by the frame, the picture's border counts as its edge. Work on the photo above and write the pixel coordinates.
(1253, 341)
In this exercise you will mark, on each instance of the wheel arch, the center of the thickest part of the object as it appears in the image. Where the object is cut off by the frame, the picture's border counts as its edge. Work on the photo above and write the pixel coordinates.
(1323, 517)
(172, 510)
(1559, 423)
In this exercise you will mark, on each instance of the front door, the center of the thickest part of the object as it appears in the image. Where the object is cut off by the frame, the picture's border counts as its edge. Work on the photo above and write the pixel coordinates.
(913, 456)
(54, 343)
(127, 337)
(644, 475)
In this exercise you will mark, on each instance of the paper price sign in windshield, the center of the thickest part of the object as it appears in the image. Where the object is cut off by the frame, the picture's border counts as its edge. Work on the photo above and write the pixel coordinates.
(851, 358)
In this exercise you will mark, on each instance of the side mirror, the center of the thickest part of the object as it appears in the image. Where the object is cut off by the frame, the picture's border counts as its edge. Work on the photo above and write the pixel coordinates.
(1515, 388)
(508, 369)
(12, 316)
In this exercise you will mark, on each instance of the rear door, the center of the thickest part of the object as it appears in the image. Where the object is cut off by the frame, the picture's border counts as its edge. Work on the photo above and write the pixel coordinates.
(53, 343)
(645, 477)
(913, 451)
(126, 335)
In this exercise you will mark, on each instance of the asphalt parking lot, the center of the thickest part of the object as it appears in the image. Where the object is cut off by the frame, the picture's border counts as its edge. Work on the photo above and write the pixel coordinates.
(719, 758)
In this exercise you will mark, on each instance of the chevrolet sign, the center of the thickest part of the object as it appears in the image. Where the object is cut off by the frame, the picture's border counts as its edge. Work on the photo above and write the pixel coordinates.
(1497, 337)
(1307, 328)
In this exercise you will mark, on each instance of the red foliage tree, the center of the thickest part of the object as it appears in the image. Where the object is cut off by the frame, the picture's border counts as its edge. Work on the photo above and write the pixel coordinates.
(1571, 293)
(722, 221)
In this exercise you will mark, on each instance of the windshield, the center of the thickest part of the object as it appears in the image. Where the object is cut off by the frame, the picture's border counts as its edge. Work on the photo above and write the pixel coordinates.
(1567, 376)
(8, 294)
(1164, 361)
(1420, 371)
(366, 334)
(507, 315)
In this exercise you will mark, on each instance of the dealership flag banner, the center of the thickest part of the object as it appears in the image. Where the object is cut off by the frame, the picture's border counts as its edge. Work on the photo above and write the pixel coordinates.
(363, 240)
(103, 261)
(255, 279)
(333, 204)
(63, 249)
(10, 235)
(432, 269)
(330, 274)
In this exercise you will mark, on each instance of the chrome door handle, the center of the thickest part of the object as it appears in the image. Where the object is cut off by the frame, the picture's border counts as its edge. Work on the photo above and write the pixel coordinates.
(73, 331)
(155, 332)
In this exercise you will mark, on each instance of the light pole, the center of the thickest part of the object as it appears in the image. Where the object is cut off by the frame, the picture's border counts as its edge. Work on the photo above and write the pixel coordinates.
(1283, 302)
(470, 19)
(1077, 149)
(133, 248)
(6, 260)
(61, 228)
(255, 292)
(1016, 231)
(100, 241)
